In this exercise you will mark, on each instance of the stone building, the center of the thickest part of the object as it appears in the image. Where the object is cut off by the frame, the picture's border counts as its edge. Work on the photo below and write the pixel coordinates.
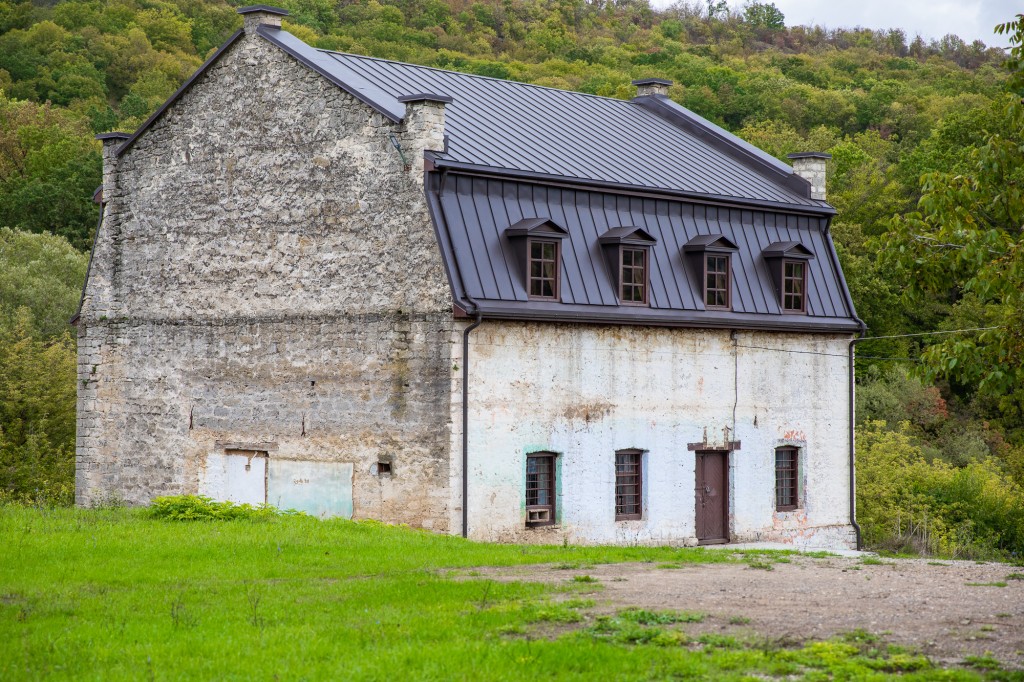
(369, 289)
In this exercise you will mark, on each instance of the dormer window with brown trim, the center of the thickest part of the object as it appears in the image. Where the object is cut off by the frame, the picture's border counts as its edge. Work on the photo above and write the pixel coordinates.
(794, 276)
(788, 263)
(628, 252)
(709, 257)
(542, 272)
(537, 243)
(716, 281)
(633, 269)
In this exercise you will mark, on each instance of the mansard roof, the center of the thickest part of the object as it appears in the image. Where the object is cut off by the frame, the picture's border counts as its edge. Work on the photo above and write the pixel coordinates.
(472, 214)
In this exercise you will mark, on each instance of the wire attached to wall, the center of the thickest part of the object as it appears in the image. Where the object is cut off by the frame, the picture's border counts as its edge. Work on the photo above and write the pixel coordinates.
(870, 338)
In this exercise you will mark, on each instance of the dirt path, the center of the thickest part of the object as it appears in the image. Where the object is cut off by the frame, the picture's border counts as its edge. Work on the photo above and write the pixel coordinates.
(922, 605)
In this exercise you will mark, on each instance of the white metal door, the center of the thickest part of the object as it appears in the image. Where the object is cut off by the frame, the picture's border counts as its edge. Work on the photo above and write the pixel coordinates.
(239, 477)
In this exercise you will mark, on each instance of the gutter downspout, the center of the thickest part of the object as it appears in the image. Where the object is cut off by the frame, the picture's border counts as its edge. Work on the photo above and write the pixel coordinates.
(860, 337)
(479, 318)
(465, 415)
(853, 449)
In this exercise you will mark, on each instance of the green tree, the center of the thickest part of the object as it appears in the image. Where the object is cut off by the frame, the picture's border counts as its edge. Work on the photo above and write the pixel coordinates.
(965, 243)
(764, 15)
(42, 273)
(37, 413)
(49, 168)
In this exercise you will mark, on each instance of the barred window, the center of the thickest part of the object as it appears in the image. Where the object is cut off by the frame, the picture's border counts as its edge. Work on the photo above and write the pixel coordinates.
(628, 484)
(633, 272)
(543, 269)
(786, 478)
(794, 299)
(540, 489)
(716, 281)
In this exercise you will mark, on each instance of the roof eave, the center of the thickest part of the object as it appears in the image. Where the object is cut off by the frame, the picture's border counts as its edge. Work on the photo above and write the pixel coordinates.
(440, 163)
(642, 316)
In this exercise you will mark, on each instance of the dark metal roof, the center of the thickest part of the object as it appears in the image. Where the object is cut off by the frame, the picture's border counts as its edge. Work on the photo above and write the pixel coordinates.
(788, 249)
(627, 234)
(649, 142)
(472, 214)
(263, 8)
(709, 242)
(425, 97)
(536, 226)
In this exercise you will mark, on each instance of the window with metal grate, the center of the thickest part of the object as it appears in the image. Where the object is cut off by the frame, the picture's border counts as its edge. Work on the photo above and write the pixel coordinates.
(786, 478)
(540, 489)
(628, 485)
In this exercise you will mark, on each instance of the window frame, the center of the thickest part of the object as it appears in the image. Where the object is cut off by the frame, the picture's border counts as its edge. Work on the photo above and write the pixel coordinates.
(727, 258)
(637, 485)
(794, 473)
(557, 243)
(646, 251)
(802, 310)
(552, 488)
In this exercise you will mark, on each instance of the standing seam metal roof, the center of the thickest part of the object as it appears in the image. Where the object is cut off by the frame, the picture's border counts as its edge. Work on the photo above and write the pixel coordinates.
(473, 213)
(509, 126)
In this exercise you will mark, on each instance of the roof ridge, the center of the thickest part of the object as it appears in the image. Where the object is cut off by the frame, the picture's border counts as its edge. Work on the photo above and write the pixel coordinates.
(476, 75)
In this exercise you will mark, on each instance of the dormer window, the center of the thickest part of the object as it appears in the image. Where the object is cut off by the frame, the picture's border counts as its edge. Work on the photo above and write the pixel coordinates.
(716, 281)
(543, 268)
(709, 257)
(633, 287)
(537, 243)
(793, 288)
(628, 252)
(787, 262)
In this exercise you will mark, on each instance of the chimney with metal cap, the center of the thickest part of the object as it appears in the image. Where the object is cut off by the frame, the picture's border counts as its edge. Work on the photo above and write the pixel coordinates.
(424, 127)
(261, 15)
(811, 167)
(652, 86)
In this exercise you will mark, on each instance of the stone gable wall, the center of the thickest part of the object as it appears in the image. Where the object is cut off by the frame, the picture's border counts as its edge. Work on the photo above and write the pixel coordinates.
(267, 272)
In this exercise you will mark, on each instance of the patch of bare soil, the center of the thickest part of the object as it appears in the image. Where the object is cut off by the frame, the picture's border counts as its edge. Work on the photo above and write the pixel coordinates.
(941, 609)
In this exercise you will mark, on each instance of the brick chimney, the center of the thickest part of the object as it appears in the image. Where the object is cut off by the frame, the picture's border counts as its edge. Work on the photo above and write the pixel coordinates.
(811, 167)
(424, 127)
(265, 15)
(652, 86)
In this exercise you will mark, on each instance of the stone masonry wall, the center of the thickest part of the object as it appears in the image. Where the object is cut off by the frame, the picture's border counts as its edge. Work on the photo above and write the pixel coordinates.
(267, 272)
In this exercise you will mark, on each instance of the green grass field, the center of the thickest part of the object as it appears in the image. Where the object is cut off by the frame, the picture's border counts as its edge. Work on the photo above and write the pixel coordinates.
(113, 594)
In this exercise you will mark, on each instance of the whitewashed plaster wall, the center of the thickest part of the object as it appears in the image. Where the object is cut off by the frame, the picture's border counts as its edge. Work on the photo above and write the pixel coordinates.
(585, 391)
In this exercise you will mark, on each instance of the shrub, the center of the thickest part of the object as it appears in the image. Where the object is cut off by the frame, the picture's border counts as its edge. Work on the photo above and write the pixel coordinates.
(906, 503)
(200, 508)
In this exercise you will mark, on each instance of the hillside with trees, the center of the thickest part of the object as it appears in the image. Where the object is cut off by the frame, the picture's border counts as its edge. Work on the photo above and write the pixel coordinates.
(927, 163)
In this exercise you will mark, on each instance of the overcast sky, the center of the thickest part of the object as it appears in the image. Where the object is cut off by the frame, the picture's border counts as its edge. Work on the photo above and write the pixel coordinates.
(969, 19)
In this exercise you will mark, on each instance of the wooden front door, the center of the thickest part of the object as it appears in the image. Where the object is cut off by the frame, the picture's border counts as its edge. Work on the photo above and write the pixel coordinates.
(712, 497)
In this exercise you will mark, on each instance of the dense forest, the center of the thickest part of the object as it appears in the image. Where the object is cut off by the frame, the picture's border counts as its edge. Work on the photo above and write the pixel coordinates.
(926, 175)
